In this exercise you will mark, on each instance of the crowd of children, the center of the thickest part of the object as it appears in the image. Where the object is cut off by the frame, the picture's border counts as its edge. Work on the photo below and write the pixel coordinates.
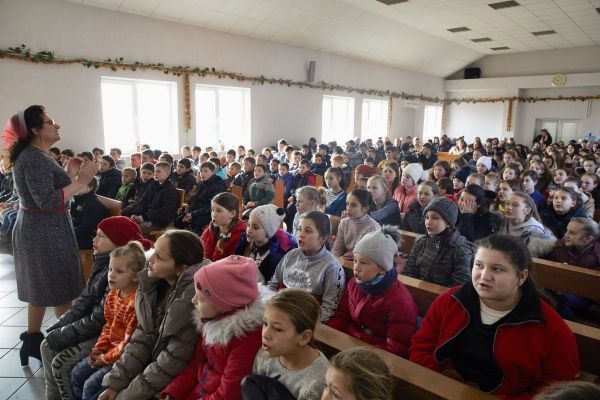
(228, 304)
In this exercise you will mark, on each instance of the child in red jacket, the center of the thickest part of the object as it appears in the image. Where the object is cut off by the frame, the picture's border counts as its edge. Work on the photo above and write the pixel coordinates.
(224, 232)
(495, 332)
(376, 307)
(230, 307)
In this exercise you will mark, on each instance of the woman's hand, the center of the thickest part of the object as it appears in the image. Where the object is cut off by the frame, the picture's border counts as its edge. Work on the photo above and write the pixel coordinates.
(108, 394)
(73, 166)
(86, 173)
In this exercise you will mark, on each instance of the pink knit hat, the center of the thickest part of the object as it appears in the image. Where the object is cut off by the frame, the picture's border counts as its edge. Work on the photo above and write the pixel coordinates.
(229, 283)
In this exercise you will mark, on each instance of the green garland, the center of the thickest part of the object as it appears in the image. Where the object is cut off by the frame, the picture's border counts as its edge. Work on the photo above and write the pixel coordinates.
(23, 53)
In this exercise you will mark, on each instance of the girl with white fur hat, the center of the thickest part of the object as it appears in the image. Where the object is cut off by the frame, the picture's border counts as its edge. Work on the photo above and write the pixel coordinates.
(264, 241)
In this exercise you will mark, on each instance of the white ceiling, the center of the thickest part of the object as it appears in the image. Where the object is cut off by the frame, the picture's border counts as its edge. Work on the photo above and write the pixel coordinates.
(412, 35)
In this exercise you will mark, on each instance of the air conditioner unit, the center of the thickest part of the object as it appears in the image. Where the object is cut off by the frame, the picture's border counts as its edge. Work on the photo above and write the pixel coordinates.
(411, 104)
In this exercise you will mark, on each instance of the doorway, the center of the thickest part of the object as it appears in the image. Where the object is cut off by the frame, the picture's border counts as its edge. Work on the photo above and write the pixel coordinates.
(560, 129)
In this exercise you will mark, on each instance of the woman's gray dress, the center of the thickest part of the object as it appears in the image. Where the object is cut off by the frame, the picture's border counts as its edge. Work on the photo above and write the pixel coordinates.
(46, 255)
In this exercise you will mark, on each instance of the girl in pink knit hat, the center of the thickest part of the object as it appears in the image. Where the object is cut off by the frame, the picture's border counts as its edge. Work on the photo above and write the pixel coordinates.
(229, 312)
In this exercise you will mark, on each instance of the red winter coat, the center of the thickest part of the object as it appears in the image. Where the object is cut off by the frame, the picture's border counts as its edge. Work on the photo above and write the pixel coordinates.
(533, 348)
(224, 355)
(387, 320)
(210, 237)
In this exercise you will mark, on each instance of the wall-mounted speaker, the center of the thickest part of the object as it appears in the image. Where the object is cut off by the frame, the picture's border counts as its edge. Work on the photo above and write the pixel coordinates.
(311, 71)
(472, 73)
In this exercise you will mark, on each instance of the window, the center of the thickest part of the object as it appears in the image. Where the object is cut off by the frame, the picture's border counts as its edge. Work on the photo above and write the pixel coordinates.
(374, 119)
(222, 116)
(432, 124)
(338, 119)
(136, 111)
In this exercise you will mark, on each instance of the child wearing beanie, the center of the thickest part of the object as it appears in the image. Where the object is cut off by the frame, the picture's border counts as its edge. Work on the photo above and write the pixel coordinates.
(406, 193)
(443, 256)
(229, 313)
(71, 338)
(376, 307)
(264, 242)
(484, 165)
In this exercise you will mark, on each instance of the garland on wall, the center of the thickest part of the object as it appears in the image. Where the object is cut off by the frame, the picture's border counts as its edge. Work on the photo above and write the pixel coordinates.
(23, 53)
(509, 116)
(187, 113)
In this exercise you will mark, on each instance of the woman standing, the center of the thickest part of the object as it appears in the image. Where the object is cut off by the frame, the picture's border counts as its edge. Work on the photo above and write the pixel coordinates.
(46, 256)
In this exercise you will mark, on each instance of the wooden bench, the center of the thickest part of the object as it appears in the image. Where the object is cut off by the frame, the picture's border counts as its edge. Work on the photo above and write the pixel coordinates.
(444, 156)
(87, 263)
(319, 181)
(413, 381)
(547, 274)
(113, 206)
(278, 201)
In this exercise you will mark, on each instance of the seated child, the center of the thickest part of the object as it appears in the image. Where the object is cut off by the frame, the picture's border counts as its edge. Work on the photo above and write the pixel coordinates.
(384, 209)
(443, 256)
(311, 266)
(86, 212)
(308, 198)
(140, 186)
(588, 201)
(288, 360)
(483, 331)
(158, 206)
(126, 190)
(233, 169)
(336, 195)
(72, 337)
(119, 314)
(220, 172)
(358, 374)
(287, 178)
(362, 183)
(184, 177)
(406, 193)
(414, 219)
(505, 190)
(356, 223)
(446, 189)
(165, 337)
(529, 180)
(260, 191)
(376, 307)
(229, 317)
(565, 205)
(264, 242)
(197, 215)
(318, 167)
(221, 237)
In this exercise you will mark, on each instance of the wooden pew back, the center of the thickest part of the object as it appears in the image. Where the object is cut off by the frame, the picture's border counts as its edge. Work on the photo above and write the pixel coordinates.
(113, 206)
(412, 380)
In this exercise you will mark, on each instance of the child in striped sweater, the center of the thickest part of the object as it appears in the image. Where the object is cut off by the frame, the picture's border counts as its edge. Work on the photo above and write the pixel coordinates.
(119, 312)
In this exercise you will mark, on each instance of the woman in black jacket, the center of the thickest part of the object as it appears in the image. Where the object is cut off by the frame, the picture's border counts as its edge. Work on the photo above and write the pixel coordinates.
(71, 338)
(476, 221)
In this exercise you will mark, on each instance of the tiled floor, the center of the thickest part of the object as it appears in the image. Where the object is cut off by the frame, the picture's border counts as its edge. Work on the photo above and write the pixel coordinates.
(16, 382)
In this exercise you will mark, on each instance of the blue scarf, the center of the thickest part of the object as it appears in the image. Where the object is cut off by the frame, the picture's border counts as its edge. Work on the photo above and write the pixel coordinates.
(380, 283)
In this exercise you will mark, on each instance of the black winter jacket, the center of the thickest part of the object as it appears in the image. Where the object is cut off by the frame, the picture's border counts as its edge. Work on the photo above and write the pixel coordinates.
(110, 182)
(207, 190)
(479, 225)
(86, 212)
(86, 318)
(185, 182)
(159, 204)
(414, 220)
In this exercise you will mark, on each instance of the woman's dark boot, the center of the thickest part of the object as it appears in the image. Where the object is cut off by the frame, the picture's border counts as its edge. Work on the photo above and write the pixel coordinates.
(31, 346)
